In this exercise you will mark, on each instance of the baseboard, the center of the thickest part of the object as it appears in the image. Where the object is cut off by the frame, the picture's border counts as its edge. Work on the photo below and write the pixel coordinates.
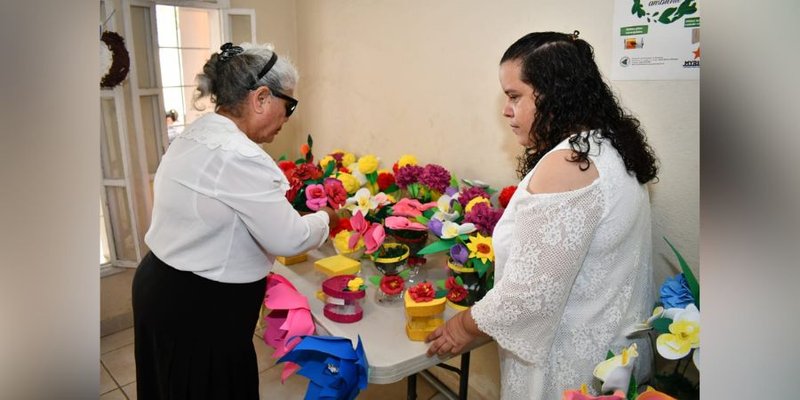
(116, 324)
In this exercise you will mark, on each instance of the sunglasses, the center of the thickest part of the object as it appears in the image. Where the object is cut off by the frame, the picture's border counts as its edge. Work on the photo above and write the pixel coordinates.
(291, 102)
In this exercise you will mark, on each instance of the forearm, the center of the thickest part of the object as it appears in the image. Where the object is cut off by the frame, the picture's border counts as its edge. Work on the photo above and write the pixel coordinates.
(469, 324)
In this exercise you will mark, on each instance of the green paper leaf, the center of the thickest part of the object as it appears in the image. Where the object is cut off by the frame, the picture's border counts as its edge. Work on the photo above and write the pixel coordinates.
(309, 141)
(440, 293)
(375, 279)
(372, 177)
(440, 284)
(405, 274)
(429, 213)
(300, 161)
(329, 169)
(459, 281)
(694, 287)
(282, 158)
(435, 247)
(480, 266)
(609, 355)
(453, 180)
(422, 220)
(391, 189)
(661, 325)
(633, 388)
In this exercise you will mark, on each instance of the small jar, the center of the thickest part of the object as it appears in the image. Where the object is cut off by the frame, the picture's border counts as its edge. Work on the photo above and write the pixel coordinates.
(343, 300)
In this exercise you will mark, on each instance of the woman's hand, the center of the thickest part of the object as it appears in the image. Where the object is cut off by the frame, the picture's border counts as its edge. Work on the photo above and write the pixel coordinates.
(454, 335)
(333, 218)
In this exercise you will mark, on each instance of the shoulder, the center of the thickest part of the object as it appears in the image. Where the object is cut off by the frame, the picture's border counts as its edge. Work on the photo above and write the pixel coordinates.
(555, 173)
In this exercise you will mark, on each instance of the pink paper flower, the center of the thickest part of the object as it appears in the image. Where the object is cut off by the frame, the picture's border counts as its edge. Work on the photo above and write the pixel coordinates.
(398, 223)
(410, 207)
(435, 177)
(484, 217)
(360, 226)
(373, 238)
(335, 191)
(316, 197)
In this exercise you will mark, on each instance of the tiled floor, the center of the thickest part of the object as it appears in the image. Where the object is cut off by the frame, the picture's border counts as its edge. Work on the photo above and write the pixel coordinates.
(118, 375)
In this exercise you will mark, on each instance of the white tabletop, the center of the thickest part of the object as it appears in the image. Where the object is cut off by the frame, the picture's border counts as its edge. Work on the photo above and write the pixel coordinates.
(391, 355)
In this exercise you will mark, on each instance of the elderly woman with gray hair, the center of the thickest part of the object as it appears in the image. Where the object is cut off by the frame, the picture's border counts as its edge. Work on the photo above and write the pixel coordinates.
(219, 219)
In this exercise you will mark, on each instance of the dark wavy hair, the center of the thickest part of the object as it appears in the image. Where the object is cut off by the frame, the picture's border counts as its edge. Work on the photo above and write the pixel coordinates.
(571, 97)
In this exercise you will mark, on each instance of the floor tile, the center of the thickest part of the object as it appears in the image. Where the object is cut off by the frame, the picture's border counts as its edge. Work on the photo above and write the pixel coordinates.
(270, 387)
(439, 396)
(106, 383)
(263, 354)
(397, 390)
(130, 390)
(116, 340)
(115, 394)
(121, 364)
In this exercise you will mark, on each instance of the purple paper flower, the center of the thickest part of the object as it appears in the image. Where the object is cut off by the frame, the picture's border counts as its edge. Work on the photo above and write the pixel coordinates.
(407, 175)
(459, 253)
(471, 193)
(450, 191)
(435, 177)
(484, 217)
(675, 292)
(435, 226)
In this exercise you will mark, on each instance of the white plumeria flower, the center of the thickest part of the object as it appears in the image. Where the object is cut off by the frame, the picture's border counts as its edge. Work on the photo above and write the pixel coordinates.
(382, 199)
(658, 312)
(684, 335)
(452, 229)
(361, 200)
(446, 212)
(616, 371)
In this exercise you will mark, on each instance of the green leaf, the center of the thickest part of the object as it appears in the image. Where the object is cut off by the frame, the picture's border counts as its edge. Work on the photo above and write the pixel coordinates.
(610, 355)
(435, 247)
(453, 181)
(440, 284)
(422, 220)
(309, 141)
(633, 388)
(429, 213)
(300, 161)
(666, 17)
(480, 266)
(459, 281)
(375, 279)
(440, 293)
(405, 274)
(372, 177)
(391, 189)
(661, 325)
(283, 157)
(694, 287)
(329, 169)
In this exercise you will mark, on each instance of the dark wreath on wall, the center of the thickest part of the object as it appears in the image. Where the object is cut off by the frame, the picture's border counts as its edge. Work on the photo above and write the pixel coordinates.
(120, 60)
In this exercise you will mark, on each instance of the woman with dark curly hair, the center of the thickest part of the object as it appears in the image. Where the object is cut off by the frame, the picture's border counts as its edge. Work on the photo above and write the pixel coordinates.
(573, 248)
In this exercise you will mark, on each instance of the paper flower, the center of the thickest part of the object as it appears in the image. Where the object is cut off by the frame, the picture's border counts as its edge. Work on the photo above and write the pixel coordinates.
(287, 167)
(362, 201)
(385, 180)
(505, 195)
(410, 207)
(484, 217)
(350, 183)
(474, 201)
(335, 370)
(615, 372)
(481, 247)
(307, 171)
(445, 210)
(468, 194)
(290, 316)
(436, 225)
(368, 164)
(407, 175)
(683, 337)
(316, 197)
(402, 223)
(455, 291)
(675, 292)
(392, 284)
(355, 284)
(348, 159)
(459, 253)
(435, 177)
(342, 242)
(294, 187)
(406, 159)
(422, 292)
(325, 161)
(452, 229)
(335, 192)
(374, 237)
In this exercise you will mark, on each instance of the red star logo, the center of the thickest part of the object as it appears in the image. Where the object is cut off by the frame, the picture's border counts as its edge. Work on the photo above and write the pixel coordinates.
(696, 53)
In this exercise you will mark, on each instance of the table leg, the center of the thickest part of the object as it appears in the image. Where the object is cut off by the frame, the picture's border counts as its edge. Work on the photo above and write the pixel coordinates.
(463, 383)
(411, 388)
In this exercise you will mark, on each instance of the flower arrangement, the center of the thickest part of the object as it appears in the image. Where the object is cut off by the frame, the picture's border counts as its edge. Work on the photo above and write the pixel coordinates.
(311, 187)
(422, 183)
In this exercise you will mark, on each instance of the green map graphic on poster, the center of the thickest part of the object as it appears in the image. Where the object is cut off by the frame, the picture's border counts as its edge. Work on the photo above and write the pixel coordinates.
(667, 15)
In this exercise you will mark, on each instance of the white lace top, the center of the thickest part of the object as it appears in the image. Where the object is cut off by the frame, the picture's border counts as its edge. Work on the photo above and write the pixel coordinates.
(572, 275)
(220, 209)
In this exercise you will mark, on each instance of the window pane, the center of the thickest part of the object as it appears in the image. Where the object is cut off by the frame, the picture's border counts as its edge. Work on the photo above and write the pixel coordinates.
(204, 104)
(173, 100)
(194, 28)
(240, 28)
(167, 26)
(121, 227)
(170, 67)
(145, 71)
(151, 127)
(110, 151)
(192, 62)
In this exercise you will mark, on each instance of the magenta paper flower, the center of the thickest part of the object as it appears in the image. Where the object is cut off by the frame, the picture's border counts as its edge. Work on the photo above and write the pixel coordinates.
(484, 217)
(316, 197)
(334, 189)
(435, 177)
(407, 175)
(289, 317)
(398, 223)
(373, 238)
(360, 226)
(410, 207)
(470, 193)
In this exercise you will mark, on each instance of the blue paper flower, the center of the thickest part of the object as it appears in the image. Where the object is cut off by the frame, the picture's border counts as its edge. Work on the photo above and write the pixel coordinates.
(675, 292)
(459, 253)
(335, 370)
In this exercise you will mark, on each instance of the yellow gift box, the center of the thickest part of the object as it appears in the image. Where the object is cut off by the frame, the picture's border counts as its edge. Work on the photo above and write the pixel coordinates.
(292, 259)
(337, 265)
(423, 318)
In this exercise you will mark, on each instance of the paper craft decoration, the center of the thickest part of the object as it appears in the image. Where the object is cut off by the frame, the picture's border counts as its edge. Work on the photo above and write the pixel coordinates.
(337, 265)
(344, 295)
(292, 259)
(290, 316)
(615, 372)
(422, 318)
(335, 370)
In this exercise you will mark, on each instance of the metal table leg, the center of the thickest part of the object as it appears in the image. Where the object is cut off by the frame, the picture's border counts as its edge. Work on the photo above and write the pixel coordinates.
(411, 387)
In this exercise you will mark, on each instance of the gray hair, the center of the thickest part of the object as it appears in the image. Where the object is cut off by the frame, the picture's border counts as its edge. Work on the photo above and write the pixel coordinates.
(228, 80)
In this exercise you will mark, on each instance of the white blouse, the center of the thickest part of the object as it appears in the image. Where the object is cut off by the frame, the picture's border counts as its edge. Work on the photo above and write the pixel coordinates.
(220, 209)
(572, 277)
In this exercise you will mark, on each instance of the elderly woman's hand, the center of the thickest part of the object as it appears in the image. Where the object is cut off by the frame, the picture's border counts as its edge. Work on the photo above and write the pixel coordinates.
(332, 216)
(454, 335)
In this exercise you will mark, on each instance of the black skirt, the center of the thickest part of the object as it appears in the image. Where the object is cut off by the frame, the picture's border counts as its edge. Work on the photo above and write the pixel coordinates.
(193, 336)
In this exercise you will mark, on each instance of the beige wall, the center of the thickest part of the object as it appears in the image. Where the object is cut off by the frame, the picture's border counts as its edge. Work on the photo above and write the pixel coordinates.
(414, 76)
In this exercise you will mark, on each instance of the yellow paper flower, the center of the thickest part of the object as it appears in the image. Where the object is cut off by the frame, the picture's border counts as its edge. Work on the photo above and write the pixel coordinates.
(683, 336)
(342, 242)
(347, 159)
(350, 183)
(390, 199)
(406, 159)
(476, 200)
(324, 161)
(385, 171)
(355, 284)
(368, 164)
(481, 247)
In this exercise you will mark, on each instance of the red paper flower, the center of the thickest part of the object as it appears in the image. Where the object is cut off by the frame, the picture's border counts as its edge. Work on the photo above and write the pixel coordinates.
(422, 292)
(295, 186)
(385, 180)
(392, 284)
(287, 167)
(455, 292)
(344, 170)
(343, 225)
(394, 168)
(505, 195)
(335, 191)
(307, 171)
